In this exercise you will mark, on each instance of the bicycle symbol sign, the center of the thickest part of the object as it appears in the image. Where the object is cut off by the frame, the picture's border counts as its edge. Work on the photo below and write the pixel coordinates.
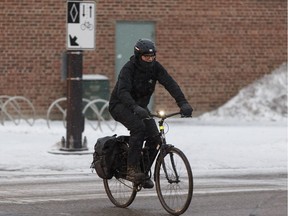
(80, 25)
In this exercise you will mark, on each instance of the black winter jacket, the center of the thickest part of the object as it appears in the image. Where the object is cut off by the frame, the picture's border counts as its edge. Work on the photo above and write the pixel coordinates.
(135, 85)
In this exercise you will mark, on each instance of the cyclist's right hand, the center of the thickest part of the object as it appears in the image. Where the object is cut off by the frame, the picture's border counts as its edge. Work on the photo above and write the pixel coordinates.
(141, 112)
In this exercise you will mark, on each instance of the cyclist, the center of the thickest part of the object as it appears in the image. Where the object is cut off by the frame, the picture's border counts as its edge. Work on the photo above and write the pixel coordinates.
(130, 98)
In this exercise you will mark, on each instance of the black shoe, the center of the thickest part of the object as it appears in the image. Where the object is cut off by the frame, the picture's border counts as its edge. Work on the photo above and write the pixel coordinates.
(134, 175)
(148, 183)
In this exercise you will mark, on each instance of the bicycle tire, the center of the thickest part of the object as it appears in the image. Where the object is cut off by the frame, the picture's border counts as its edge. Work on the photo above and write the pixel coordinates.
(175, 196)
(121, 192)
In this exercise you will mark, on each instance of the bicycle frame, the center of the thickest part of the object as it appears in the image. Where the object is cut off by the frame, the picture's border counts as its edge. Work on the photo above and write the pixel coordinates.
(163, 146)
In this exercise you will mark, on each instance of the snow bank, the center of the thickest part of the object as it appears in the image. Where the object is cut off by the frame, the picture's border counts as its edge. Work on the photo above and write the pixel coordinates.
(264, 99)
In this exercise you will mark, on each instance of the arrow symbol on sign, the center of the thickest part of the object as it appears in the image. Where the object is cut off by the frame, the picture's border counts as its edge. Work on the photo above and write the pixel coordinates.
(73, 41)
(83, 10)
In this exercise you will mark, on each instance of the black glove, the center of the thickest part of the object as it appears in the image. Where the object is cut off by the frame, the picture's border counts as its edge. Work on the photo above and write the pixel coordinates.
(141, 112)
(186, 110)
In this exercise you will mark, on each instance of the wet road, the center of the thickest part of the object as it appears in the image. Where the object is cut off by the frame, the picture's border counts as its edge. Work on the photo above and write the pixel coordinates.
(84, 195)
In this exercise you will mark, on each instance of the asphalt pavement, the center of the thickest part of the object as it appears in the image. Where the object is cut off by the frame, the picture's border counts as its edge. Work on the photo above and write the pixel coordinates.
(84, 195)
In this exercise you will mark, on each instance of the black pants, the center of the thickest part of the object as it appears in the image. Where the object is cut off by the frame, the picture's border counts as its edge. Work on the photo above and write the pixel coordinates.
(140, 130)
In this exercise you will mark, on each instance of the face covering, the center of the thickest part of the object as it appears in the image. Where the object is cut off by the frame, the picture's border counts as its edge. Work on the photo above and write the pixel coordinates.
(143, 65)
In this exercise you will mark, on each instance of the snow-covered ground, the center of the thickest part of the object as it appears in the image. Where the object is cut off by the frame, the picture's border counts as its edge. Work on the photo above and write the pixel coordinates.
(248, 134)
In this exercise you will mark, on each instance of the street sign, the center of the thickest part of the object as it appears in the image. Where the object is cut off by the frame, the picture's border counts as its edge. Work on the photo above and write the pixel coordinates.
(80, 25)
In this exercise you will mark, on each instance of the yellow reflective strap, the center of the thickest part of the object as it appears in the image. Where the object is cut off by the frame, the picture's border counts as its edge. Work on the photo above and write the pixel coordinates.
(161, 127)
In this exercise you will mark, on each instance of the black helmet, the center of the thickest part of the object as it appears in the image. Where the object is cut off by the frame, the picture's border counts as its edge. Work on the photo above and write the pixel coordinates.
(144, 46)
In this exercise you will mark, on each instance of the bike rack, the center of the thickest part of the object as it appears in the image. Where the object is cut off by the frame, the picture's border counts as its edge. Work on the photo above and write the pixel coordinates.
(92, 105)
(3, 98)
(99, 113)
(62, 110)
(9, 104)
(12, 108)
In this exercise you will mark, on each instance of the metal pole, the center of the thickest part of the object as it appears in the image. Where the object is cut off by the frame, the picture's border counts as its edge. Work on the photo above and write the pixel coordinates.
(75, 119)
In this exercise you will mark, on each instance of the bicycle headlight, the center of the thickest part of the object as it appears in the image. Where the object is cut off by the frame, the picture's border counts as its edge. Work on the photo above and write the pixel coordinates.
(161, 113)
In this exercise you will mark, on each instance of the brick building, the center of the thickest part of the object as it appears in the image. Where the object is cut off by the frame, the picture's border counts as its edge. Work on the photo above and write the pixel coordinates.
(212, 48)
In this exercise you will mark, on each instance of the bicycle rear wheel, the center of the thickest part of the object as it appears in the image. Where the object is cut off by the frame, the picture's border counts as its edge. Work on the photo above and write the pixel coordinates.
(120, 191)
(174, 181)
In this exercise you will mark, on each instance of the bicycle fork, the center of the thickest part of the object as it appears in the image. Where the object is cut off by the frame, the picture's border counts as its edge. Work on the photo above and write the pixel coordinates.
(174, 176)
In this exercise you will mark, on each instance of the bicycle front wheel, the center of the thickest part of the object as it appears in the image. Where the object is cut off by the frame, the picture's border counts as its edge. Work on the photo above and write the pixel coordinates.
(120, 191)
(174, 181)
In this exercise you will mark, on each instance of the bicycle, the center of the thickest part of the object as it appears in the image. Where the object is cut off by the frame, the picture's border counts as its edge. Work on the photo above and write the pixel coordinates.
(172, 175)
(86, 25)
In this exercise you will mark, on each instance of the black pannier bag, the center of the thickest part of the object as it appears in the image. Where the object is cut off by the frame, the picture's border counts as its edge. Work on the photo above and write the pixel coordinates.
(110, 155)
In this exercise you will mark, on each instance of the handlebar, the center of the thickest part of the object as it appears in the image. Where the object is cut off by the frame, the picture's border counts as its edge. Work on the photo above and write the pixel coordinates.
(164, 116)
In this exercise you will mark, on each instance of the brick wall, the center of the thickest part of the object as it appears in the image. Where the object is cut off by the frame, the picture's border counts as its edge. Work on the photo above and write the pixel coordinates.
(32, 38)
(212, 48)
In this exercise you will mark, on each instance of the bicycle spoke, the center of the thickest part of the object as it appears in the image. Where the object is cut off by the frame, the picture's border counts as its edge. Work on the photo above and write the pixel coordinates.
(120, 191)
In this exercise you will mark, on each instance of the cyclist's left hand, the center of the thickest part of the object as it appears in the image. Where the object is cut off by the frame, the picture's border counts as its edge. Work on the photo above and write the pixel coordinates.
(186, 110)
